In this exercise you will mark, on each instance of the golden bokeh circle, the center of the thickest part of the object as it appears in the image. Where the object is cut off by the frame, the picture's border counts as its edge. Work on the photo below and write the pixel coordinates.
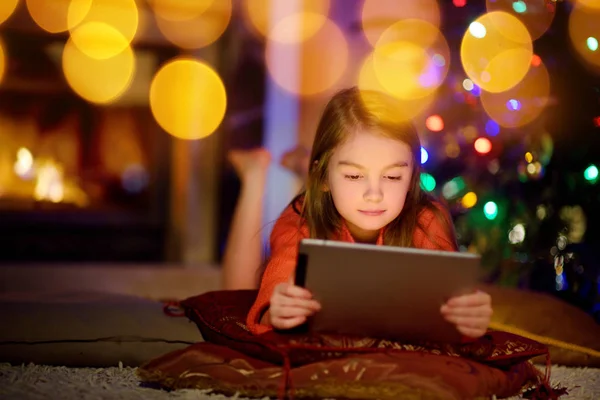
(584, 26)
(180, 10)
(496, 51)
(522, 103)
(411, 59)
(188, 99)
(2, 61)
(378, 15)
(321, 58)
(258, 14)
(100, 81)
(52, 16)
(537, 17)
(7, 7)
(408, 108)
(199, 31)
(121, 15)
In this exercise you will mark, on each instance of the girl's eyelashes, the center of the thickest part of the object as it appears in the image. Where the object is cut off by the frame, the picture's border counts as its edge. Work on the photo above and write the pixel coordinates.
(358, 176)
(394, 178)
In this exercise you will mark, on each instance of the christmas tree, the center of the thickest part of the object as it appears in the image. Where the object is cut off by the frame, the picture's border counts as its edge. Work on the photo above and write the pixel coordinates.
(518, 165)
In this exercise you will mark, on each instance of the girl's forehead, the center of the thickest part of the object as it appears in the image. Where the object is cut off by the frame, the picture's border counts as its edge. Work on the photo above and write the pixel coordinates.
(366, 142)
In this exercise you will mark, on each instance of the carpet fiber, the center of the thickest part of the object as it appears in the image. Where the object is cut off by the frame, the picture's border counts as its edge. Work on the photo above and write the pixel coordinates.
(44, 382)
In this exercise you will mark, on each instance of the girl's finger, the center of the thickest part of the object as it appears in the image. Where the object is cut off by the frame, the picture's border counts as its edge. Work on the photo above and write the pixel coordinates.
(481, 311)
(291, 311)
(287, 323)
(471, 332)
(470, 300)
(285, 301)
(296, 291)
(468, 322)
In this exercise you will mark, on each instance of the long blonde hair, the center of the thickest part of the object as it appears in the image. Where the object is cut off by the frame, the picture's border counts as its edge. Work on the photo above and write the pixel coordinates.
(348, 110)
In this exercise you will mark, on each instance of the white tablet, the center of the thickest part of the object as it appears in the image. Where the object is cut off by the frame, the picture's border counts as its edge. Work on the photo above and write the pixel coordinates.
(384, 291)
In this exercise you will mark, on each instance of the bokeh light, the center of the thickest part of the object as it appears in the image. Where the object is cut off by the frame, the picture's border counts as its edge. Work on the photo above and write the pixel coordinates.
(258, 13)
(323, 57)
(469, 200)
(434, 123)
(490, 210)
(411, 59)
(2, 61)
(407, 109)
(424, 155)
(593, 4)
(188, 99)
(534, 14)
(453, 187)
(7, 7)
(378, 15)
(584, 33)
(53, 16)
(517, 234)
(180, 10)
(199, 30)
(121, 15)
(496, 51)
(427, 182)
(522, 103)
(469, 132)
(483, 145)
(98, 80)
(591, 173)
(468, 84)
(492, 128)
(99, 40)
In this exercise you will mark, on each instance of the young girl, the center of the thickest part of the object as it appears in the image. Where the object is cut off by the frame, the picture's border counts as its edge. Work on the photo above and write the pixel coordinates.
(363, 186)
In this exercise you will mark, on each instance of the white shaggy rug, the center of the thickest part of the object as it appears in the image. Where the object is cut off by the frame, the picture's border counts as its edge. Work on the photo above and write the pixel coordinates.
(33, 382)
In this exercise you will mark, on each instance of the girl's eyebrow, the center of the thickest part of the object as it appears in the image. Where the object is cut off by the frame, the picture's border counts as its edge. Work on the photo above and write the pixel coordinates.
(353, 164)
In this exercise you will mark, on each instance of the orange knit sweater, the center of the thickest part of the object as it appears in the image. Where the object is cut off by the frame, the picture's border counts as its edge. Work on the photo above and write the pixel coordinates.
(287, 233)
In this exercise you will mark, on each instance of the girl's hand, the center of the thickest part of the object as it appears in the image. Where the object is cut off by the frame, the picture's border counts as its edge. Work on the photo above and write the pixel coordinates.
(471, 313)
(290, 306)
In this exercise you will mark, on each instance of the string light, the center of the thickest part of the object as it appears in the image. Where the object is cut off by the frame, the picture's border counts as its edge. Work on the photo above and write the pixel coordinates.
(591, 173)
(434, 123)
(492, 128)
(519, 6)
(592, 43)
(424, 155)
(469, 200)
(490, 210)
(483, 145)
(427, 182)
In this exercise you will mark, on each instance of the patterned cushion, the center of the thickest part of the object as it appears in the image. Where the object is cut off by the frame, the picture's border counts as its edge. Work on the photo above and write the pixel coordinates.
(406, 375)
(550, 317)
(221, 317)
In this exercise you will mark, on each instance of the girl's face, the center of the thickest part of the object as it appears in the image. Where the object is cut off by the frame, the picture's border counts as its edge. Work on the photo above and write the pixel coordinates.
(369, 177)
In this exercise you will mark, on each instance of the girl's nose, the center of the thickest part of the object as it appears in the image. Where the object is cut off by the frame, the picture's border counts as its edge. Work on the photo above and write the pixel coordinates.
(373, 193)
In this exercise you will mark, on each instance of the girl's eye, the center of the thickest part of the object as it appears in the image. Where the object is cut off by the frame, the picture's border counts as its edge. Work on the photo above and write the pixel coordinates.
(352, 177)
(394, 178)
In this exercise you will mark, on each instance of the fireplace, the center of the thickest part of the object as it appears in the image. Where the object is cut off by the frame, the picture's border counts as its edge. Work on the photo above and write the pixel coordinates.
(78, 181)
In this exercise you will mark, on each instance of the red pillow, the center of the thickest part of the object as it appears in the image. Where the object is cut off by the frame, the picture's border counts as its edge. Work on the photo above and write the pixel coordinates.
(366, 376)
(221, 318)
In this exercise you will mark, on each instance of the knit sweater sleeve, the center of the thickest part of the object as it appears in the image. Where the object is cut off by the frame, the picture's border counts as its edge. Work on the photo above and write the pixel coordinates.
(433, 233)
(287, 233)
